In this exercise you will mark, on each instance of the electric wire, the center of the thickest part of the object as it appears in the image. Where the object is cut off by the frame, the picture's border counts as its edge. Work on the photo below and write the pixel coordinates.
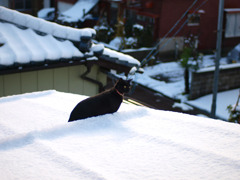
(145, 60)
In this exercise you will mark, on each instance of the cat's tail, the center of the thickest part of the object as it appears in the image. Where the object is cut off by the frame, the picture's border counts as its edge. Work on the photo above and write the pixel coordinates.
(71, 119)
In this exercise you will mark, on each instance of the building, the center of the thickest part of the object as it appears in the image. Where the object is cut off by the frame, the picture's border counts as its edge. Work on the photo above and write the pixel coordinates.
(200, 20)
(26, 6)
(38, 55)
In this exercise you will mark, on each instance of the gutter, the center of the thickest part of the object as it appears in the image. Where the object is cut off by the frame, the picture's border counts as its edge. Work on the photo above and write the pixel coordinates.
(84, 76)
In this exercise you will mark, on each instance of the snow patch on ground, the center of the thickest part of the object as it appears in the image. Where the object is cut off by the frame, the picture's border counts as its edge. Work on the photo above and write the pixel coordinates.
(223, 100)
(175, 88)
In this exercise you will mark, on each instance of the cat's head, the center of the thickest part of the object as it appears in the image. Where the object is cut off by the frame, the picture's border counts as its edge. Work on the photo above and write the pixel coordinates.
(123, 86)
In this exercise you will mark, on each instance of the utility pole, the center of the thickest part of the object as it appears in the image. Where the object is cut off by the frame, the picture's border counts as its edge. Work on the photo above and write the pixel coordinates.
(218, 56)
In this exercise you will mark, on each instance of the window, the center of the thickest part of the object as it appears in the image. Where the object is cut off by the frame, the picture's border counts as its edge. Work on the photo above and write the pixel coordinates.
(193, 19)
(22, 4)
(232, 28)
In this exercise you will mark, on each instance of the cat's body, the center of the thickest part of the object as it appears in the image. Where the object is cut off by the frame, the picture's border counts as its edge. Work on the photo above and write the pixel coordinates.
(106, 102)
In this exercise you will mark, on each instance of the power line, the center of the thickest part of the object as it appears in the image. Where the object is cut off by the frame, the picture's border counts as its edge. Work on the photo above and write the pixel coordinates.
(183, 15)
(147, 59)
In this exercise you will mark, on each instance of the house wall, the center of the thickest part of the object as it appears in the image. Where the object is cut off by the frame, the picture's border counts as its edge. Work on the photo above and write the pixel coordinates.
(202, 82)
(4, 3)
(64, 79)
(169, 44)
(169, 12)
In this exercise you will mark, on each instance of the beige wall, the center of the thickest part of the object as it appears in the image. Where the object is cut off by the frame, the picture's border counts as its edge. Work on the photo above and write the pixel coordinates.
(65, 79)
(171, 44)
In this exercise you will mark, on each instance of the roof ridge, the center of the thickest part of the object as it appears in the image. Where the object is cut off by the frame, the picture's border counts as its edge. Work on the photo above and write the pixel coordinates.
(38, 24)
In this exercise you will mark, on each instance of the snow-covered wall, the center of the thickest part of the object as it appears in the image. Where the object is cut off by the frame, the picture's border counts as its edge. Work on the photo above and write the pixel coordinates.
(202, 81)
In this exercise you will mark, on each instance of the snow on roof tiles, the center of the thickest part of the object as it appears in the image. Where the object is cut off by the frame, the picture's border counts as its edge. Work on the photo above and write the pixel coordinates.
(125, 58)
(24, 46)
(42, 25)
(26, 39)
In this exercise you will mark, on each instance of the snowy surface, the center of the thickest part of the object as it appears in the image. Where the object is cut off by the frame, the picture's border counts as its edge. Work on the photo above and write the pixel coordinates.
(175, 87)
(44, 13)
(116, 43)
(232, 9)
(40, 24)
(77, 11)
(124, 57)
(23, 45)
(36, 142)
(224, 99)
(172, 89)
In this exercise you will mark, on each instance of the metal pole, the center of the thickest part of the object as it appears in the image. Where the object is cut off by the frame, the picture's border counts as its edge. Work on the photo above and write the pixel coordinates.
(218, 56)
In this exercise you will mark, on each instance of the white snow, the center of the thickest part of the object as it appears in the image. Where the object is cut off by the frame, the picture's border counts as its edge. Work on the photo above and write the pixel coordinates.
(237, 47)
(78, 11)
(138, 26)
(175, 88)
(116, 42)
(139, 49)
(224, 99)
(212, 68)
(43, 13)
(40, 24)
(14, 42)
(232, 9)
(97, 47)
(25, 45)
(121, 56)
(170, 89)
(36, 142)
(183, 106)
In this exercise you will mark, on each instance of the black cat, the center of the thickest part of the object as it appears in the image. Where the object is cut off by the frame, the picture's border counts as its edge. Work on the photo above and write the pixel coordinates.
(103, 103)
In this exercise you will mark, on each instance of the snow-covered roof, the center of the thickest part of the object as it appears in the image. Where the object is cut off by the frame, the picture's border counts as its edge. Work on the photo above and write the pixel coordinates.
(22, 46)
(78, 11)
(43, 26)
(46, 13)
(232, 10)
(25, 39)
(136, 143)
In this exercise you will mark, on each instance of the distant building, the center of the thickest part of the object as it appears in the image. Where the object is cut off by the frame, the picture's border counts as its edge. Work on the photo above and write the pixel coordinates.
(26, 6)
(201, 19)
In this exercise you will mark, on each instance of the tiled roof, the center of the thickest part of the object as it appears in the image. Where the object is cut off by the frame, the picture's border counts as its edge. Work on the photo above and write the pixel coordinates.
(23, 46)
(26, 39)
